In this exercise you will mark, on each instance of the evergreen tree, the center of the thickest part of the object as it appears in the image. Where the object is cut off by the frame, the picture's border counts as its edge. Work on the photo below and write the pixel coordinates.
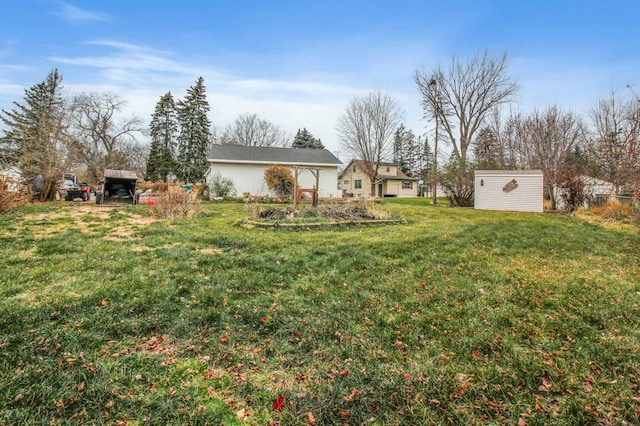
(304, 139)
(487, 151)
(34, 133)
(406, 151)
(163, 129)
(424, 163)
(192, 163)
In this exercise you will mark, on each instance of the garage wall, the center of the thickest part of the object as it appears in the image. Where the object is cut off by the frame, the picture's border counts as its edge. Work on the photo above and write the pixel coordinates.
(250, 178)
(513, 190)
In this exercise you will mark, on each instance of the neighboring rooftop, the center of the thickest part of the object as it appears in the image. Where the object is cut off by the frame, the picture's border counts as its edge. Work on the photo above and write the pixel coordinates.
(271, 155)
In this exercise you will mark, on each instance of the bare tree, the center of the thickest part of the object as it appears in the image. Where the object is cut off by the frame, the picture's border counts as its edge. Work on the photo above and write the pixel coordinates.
(366, 130)
(615, 121)
(100, 137)
(251, 130)
(461, 97)
(545, 139)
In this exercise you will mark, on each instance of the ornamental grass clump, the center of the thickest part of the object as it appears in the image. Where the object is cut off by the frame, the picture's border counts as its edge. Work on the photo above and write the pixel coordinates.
(176, 203)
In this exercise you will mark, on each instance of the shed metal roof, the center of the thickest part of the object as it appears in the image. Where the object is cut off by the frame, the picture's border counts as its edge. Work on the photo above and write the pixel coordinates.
(120, 174)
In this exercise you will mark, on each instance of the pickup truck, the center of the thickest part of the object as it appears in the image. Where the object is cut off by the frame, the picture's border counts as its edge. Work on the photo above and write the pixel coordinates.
(81, 191)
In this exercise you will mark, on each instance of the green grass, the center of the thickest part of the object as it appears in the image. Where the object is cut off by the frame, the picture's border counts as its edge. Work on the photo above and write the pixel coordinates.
(456, 317)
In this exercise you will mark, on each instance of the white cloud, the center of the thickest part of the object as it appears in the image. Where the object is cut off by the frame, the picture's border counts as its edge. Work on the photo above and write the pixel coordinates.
(76, 15)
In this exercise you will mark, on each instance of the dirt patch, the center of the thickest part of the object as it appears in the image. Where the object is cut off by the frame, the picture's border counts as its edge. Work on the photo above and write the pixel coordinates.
(139, 249)
(211, 250)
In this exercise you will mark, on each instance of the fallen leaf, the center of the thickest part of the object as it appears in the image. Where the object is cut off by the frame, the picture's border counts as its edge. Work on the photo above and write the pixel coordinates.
(354, 394)
(545, 386)
(104, 302)
(311, 419)
(521, 422)
(242, 414)
(279, 403)
(475, 353)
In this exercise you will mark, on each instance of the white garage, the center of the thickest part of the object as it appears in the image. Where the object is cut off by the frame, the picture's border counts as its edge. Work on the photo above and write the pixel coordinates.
(513, 190)
(245, 166)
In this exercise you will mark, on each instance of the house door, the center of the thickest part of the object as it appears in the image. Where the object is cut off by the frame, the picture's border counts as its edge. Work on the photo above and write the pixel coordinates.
(380, 190)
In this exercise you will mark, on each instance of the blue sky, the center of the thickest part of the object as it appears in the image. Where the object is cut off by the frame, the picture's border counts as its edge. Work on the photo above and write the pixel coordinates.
(298, 63)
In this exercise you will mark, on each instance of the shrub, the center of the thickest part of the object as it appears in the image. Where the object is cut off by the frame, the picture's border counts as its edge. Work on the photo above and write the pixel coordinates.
(279, 180)
(613, 210)
(222, 186)
(10, 200)
(176, 203)
(571, 188)
(155, 187)
(457, 183)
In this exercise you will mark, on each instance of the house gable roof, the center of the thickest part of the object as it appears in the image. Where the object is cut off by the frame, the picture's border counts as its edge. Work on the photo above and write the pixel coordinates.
(271, 155)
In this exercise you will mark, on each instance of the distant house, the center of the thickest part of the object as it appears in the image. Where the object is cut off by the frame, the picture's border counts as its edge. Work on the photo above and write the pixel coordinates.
(391, 182)
(514, 190)
(597, 191)
(245, 166)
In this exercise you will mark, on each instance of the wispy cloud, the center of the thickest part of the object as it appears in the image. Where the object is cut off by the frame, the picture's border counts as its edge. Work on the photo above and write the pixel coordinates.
(141, 74)
(127, 57)
(75, 15)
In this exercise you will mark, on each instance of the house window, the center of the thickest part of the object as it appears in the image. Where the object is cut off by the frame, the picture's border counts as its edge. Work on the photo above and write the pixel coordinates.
(358, 183)
(346, 182)
(388, 169)
(407, 185)
(354, 168)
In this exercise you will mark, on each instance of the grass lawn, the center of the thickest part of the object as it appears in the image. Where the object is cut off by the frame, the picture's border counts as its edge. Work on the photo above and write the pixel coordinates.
(108, 316)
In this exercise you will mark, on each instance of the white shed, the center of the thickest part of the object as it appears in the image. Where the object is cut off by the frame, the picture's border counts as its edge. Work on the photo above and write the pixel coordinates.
(245, 166)
(514, 190)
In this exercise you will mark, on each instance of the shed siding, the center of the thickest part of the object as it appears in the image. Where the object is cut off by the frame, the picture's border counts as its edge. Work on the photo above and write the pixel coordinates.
(527, 197)
(250, 178)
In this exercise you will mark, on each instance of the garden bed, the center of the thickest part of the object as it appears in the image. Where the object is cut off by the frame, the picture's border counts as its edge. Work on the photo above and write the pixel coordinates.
(325, 215)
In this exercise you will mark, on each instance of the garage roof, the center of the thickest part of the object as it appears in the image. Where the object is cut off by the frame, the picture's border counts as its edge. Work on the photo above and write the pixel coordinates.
(272, 155)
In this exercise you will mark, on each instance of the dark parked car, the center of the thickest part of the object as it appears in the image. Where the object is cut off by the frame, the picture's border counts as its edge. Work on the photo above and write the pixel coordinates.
(77, 191)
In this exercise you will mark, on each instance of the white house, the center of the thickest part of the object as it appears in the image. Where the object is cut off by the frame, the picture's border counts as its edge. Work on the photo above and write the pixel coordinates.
(392, 182)
(514, 190)
(245, 166)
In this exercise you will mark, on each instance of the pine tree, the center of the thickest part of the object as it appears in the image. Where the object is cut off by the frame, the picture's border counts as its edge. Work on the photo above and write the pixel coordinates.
(192, 163)
(163, 129)
(34, 133)
(406, 151)
(424, 166)
(486, 150)
(304, 139)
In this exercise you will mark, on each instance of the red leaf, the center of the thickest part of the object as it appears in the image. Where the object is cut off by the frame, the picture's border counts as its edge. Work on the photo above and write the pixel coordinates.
(278, 403)
(475, 353)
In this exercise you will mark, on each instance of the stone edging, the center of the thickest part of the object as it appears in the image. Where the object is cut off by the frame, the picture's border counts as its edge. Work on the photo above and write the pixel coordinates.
(321, 224)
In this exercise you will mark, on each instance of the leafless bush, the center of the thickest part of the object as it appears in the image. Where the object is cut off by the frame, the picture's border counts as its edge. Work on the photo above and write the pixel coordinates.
(11, 200)
(176, 203)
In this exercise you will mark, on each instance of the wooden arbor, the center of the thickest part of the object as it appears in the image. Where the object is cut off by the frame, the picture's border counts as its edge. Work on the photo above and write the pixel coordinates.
(297, 191)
